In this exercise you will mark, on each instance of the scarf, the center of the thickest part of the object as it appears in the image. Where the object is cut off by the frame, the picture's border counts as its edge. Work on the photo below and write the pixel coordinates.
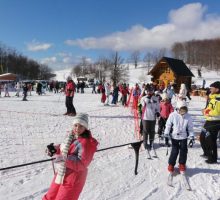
(64, 147)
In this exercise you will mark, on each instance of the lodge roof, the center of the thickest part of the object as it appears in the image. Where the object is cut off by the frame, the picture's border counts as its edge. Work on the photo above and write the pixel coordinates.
(177, 66)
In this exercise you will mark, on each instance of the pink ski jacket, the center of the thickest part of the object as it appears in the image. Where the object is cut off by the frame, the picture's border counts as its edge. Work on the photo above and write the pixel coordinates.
(80, 155)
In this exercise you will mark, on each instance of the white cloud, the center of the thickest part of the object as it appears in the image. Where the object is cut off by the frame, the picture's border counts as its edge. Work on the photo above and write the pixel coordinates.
(62, 60)
(37, 46)
(49, 60)
(189, 15)
(186, 23)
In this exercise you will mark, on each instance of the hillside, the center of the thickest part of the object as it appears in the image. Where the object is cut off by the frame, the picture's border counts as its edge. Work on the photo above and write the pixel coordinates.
(139, 75)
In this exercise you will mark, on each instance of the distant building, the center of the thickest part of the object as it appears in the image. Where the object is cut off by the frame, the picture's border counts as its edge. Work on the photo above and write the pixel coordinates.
(170, 70)
(8, 77)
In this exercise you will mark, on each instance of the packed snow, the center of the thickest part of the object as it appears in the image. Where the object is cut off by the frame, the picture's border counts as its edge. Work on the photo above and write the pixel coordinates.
(27, 127)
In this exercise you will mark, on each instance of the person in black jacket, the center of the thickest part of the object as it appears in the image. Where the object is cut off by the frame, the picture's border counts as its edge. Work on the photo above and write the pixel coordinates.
(25, 90)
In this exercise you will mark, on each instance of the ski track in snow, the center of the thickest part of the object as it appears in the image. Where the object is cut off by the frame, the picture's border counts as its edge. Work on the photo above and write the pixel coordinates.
(27, 127)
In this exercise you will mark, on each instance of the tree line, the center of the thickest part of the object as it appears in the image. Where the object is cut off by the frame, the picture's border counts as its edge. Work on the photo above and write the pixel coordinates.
(13, 62)
(114, 66)
(202, 53)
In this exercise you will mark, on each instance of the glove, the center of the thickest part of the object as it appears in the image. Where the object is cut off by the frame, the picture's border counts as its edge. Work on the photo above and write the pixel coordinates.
(157, 114)
(50, 150)
(167, 138)
(191, 142)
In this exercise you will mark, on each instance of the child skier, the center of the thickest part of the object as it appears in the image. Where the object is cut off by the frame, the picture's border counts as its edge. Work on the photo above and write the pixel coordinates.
(73, 157)
(150, 110)
(165, 109)
(179, 127)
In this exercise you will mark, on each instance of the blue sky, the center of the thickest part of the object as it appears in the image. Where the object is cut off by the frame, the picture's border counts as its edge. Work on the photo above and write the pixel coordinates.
(60, 32)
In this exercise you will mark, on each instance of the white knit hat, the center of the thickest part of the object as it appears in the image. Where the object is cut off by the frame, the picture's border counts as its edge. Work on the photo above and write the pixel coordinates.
(164, 96)
(81, 118)
(180, 104)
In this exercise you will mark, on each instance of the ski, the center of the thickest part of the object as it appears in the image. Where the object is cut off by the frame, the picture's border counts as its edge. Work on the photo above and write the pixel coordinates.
(161, 141)
(185, 181)
(170, 179)
(154, 153)
(148, 154)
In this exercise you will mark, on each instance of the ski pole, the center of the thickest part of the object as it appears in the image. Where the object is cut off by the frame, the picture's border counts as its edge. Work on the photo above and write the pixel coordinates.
(53, 166)
(167, 150)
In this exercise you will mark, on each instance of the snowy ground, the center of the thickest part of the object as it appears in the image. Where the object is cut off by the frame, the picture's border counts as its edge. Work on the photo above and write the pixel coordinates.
(27, 127)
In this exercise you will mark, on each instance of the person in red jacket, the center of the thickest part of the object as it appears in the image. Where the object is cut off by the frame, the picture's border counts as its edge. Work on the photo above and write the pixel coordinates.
(124, 92)
(73, 157)
(69, 91)
(165, 109)
(136, 95)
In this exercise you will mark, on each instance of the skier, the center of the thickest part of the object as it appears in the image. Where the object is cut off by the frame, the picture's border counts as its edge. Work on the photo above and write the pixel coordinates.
(94, 88)
(115, 95)
(107, 92)
(69, 91)
(103, 96)
(124, 92)
(73, 157)
(25, 90)
(183, 91)
(179, 127)
(6, 90)
(212, 124)
(165, 109)
(170, 92)
(136, 94)
(18, 88)
(150, 110)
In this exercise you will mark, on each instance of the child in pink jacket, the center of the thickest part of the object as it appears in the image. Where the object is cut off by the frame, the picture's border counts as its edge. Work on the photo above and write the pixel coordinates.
(73, 157)
(165, 109)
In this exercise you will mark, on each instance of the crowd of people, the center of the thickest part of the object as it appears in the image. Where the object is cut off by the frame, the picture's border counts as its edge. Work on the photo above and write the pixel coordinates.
(170, 109)
(153, 104)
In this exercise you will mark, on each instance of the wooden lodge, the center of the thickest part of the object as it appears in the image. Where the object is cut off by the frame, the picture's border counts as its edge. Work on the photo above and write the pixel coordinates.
(170, 70)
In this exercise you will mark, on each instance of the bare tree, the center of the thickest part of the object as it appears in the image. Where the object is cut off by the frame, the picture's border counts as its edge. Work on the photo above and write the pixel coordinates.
(77, 70)
(103, 66)
(148, 59)
(135, 58)
(178, 51)
(84, 64)
(159, 54)
(119, 72)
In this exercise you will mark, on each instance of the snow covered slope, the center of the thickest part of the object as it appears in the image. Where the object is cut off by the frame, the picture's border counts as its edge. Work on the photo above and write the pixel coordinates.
(27, 127)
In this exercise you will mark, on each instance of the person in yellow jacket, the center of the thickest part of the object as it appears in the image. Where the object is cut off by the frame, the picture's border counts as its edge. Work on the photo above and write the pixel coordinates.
(212, 124)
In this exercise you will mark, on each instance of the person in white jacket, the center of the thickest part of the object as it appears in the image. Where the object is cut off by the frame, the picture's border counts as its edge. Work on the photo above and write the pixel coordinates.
(107, 92)
(179, 127)
(183, 91)
(150, 110)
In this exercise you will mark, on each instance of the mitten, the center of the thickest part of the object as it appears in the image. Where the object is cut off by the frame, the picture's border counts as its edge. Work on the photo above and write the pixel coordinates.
(167, 142)
(51, 150)
(191, 141)
(157, 114)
